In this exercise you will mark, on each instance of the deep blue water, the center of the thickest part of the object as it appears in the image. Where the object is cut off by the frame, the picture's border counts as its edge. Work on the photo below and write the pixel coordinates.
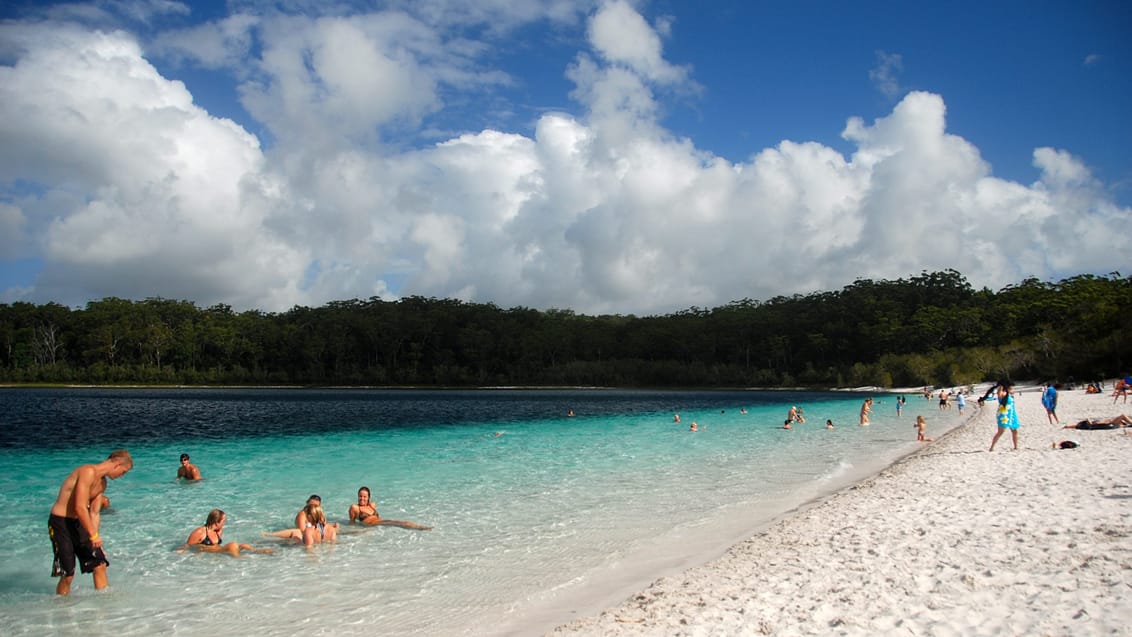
(53, 418)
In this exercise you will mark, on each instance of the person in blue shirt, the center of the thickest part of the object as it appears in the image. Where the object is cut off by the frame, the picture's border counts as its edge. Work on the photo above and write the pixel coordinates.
(1049, 401)
(1007, 416)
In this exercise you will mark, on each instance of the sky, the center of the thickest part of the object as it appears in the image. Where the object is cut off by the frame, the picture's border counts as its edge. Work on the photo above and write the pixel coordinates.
(603, 156)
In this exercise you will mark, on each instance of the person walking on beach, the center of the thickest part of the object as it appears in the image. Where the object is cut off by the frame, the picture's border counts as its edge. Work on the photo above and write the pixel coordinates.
(1007, 416)
(1049, 401)
(960, 401)
(187, 471)
(866, 409)
(365, 512)
(1122, 386)
(75, 519)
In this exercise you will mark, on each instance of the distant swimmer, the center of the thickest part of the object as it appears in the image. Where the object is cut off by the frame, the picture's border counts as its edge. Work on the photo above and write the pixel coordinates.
(743, 410)
(694, 427)
(365, 512)
(187, 471)
(570, 414)
(866, 409)
(676, 418)
(829, 424)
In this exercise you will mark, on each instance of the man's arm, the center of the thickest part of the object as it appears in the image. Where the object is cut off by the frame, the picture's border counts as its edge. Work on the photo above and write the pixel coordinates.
(81, 499)
(96, 507)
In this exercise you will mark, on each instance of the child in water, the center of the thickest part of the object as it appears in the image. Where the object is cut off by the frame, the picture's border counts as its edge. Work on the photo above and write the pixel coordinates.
(921, 426)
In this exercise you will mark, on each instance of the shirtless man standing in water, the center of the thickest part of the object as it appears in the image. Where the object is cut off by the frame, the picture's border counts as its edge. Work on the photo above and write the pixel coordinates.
(187, 471)
(75, 517)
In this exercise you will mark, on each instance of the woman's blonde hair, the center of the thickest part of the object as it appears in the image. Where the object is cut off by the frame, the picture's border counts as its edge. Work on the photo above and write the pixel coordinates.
(315, 514)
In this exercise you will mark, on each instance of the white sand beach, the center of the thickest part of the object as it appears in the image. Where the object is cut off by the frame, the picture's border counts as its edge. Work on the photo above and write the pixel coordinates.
(953, 540)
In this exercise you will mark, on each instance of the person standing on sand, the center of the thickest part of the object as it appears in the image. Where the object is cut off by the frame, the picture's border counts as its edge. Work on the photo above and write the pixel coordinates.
(1007, 416)
(75, 518)
(866, 409)
(1049, 401)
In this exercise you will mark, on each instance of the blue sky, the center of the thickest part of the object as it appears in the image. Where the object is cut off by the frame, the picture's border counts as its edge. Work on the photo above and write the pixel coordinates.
(603, 156)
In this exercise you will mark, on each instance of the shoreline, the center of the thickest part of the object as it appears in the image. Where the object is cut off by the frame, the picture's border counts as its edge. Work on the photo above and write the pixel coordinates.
(949, 539)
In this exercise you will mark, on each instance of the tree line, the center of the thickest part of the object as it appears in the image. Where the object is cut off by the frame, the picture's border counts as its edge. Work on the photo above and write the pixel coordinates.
(931, 329)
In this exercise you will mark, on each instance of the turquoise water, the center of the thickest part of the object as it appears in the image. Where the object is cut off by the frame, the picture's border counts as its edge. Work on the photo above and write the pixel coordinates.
(556, 516)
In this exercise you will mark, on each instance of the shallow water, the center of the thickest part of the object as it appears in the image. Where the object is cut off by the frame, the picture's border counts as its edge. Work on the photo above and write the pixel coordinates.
(558, 515)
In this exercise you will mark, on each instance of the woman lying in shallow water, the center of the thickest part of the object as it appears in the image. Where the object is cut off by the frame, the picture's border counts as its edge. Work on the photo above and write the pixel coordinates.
(207, 538)
(365, 512)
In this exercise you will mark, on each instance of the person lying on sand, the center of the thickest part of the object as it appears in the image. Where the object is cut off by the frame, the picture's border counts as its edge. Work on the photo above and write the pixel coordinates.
(1102, 423)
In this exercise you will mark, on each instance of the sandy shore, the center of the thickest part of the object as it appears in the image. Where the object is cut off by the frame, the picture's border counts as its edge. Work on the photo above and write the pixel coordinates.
(952, 540)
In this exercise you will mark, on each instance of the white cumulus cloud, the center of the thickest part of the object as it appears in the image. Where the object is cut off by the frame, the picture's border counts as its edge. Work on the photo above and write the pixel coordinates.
(123, 186)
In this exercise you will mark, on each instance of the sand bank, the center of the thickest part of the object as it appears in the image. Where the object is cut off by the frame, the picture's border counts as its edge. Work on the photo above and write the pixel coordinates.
(952, 540)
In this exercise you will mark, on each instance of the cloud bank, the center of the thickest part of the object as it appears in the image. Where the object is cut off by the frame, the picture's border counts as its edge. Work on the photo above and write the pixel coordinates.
(122, 185)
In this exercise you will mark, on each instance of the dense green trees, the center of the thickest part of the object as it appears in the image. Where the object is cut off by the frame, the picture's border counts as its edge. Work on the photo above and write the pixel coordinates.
(927, 329)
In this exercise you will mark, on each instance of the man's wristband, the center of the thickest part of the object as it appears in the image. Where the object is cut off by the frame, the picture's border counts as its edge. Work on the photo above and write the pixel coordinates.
(96, 537)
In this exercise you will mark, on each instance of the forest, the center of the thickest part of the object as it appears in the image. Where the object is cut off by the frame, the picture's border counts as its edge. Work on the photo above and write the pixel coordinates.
(930, 329)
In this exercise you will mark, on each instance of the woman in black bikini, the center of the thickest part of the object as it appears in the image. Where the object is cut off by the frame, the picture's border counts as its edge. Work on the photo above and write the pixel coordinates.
(207, 537)
(1105, 423)
(365, 512)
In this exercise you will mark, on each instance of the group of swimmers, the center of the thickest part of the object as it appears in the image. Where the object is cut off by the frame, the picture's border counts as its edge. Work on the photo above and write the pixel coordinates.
(311, 525)
(75, 519)
(796, 415)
